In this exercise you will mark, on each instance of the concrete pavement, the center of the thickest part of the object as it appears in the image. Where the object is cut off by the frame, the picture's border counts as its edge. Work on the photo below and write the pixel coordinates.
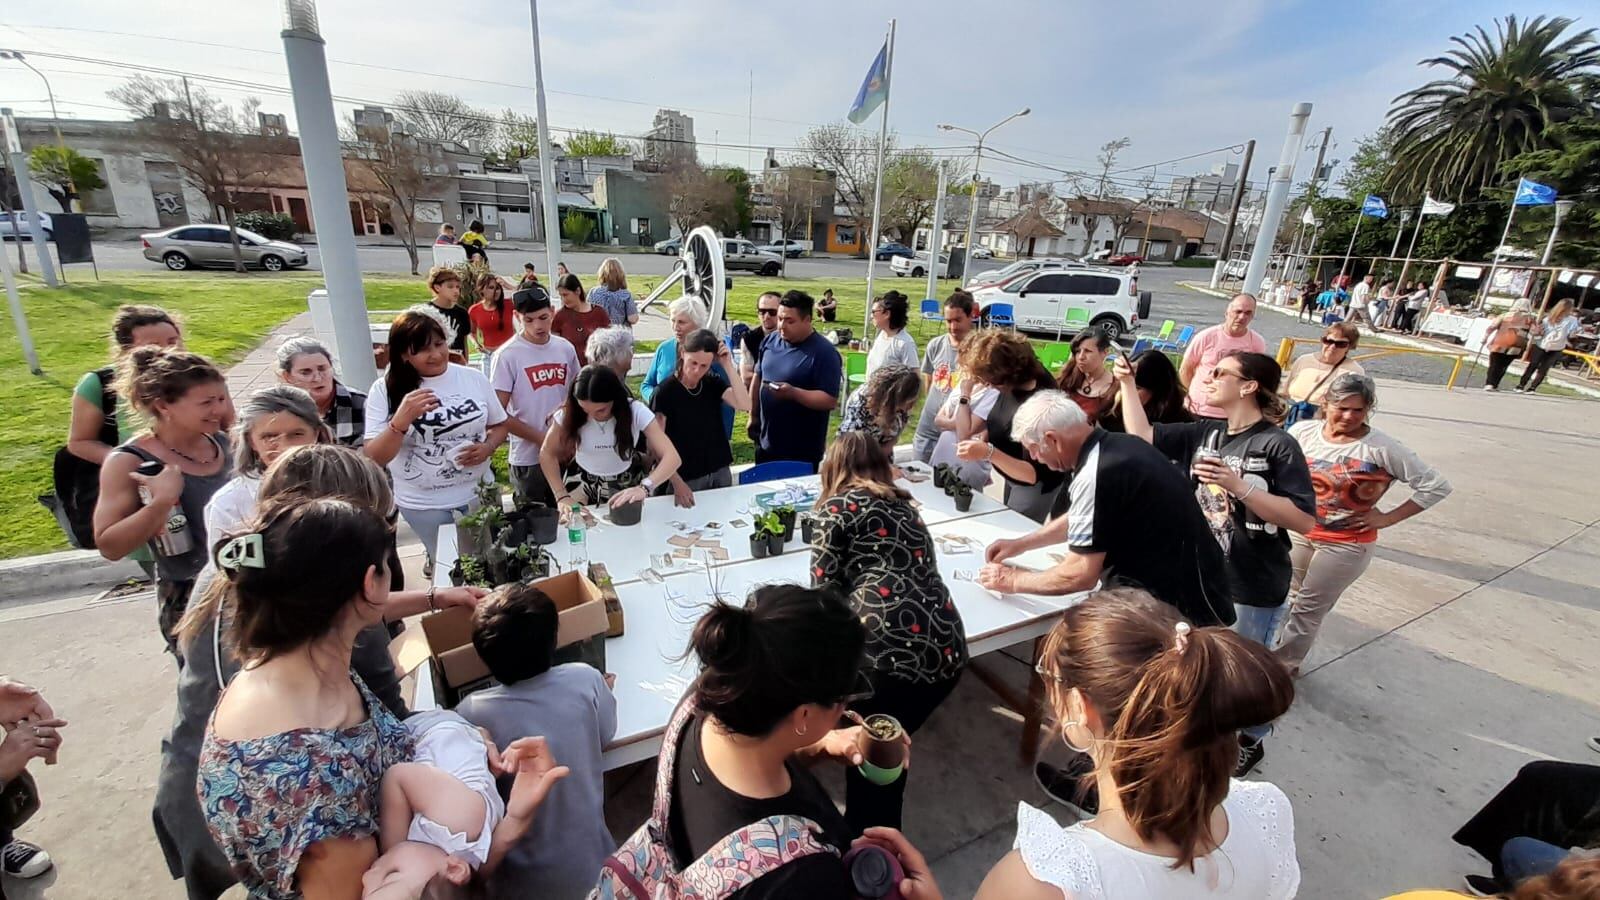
(1466, 651)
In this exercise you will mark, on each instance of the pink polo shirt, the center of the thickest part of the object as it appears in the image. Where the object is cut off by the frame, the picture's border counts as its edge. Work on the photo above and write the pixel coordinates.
(1209, 346)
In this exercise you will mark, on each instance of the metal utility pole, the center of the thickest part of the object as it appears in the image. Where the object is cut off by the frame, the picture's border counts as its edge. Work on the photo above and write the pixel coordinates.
(547, 172)
(977, 163)
(1311, 189)
(1281, 177)
(18, 317)
(877, 191)
(305, 52)
(1233, 215)
(19, 169)
(936, 237)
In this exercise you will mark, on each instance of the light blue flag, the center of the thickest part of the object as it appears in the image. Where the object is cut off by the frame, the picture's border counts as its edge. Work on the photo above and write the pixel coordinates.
(874, 88)
(1532, 193)
(1375, 207)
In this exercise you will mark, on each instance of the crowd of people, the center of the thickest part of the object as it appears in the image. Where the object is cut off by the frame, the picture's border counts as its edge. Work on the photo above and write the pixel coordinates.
(1215, 509)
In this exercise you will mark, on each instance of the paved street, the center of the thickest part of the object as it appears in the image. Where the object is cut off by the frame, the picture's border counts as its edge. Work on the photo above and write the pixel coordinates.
(1465, 652)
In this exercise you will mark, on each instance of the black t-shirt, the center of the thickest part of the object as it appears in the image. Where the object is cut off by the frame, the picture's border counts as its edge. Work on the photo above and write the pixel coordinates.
(694, 424)
(752, 345)
(1257, 552)
(1128, 502)
(460, 321)
(999, 424)
(704, 811)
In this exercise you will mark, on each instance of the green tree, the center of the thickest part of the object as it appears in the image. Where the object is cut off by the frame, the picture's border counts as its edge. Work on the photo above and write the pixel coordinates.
(576, 226)
(1501, 96)
(1370, 166)
(1571, 166)
(518, 138)
(56, 167)
(595, 143)
(735, 217)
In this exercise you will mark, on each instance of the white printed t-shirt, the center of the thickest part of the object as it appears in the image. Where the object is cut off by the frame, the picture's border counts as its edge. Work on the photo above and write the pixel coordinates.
(426, 474)
(536, 376)
(597, 441)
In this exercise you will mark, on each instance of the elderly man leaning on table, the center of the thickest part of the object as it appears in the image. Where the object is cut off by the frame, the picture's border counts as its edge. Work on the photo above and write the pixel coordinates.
(1132, 518)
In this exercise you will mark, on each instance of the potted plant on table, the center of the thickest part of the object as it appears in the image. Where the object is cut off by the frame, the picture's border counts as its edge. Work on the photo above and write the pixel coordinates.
(942, 475)
(808, 527)
(476, 531)
(627, 513)
(766, 538)
(961, 493)
(786, 514)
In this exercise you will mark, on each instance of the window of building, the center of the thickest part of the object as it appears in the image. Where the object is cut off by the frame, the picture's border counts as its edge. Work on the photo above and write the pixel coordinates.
(845, 234)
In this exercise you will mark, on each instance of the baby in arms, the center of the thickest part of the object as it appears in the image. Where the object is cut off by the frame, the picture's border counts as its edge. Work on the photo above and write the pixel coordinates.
(441, 816)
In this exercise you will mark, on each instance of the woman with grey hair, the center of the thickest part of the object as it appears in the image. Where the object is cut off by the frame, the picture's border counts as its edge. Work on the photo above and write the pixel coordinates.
(306, 363)
(271, 420)
(688, 316)
(1352, 466)
(612, 347)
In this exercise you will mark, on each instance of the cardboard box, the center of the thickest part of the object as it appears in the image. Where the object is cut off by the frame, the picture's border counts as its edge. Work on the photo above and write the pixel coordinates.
(445, 638)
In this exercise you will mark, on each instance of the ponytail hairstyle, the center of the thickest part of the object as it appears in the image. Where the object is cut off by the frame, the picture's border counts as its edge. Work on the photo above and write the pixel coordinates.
(1171, 700)
(411, 332)
(147, 376)
(599, 384)
(306, 473)
(1073, 377)
(1267, 374)
(296, 569)
(132, 316)
(788, 646)
(269, 401)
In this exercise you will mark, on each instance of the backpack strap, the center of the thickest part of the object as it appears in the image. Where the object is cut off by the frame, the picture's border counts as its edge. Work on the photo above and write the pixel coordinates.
(744, 856)
(667, 766)
(108, 406)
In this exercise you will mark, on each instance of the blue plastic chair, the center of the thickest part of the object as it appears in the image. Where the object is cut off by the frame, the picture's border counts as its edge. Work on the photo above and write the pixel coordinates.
(1139, 346)
(737, 333)
(1184, 337)
(1001, 315)
(931, 311)
(776, 471)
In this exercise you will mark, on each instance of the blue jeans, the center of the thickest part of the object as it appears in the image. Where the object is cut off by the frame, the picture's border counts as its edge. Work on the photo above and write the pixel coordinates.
(1524, 857)
(427, 522)
(1260, 624)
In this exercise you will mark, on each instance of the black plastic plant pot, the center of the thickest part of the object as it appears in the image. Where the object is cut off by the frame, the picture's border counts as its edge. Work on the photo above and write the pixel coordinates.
(775, 542)
(808, 527)
(470, 539)
(543, 524)
(627, 513)
(963, 501)
(760, 546)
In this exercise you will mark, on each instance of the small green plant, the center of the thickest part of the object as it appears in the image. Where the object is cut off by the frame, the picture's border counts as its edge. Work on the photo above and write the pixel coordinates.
(768, 523)
(272, 226)
(470, 272)
(475, 572)
(576, 226)
(489, 511)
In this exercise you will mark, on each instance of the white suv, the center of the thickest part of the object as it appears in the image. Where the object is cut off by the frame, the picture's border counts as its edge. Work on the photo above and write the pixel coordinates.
(1040, 302)
(1018, 268)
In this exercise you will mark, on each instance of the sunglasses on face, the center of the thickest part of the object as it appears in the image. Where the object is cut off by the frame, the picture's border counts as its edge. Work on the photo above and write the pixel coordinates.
(1335, 342)
(1220, 372)
(767, 312)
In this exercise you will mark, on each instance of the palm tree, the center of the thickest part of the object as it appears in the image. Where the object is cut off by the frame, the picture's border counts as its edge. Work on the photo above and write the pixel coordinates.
(1503, 92)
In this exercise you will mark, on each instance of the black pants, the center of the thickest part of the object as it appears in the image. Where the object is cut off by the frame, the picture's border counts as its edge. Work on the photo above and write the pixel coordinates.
(1555, 802)
(1539, 363)
(1498, 364)
(1408, 319)
(867, 804)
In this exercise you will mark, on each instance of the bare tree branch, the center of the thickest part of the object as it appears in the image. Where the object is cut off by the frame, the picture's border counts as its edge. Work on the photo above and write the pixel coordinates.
(393, 171)
(437, 116)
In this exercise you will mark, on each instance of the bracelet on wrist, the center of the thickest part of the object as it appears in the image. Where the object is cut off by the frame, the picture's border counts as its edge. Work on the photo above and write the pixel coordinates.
(432, 607)
(399, 431)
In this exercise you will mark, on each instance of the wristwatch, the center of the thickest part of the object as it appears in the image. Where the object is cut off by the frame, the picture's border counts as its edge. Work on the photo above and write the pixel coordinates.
(964, 400)
(647, 484)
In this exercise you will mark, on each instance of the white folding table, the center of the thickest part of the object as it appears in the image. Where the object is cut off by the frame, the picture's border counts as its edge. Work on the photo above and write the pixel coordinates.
(652, 671)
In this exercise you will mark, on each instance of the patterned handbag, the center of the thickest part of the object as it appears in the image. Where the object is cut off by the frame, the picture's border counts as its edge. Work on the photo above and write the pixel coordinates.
(644, 867)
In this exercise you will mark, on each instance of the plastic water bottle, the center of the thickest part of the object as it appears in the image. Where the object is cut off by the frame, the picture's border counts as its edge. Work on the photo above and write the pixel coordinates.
(577, 540)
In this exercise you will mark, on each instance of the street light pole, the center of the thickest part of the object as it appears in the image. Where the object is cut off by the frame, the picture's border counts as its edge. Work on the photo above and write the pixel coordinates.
(977, 163)
(55, 120)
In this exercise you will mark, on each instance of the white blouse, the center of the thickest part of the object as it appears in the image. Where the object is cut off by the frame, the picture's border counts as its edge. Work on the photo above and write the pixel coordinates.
(1256, 860)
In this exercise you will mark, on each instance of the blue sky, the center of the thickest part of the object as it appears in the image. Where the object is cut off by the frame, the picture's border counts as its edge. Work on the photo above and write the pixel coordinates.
(1176, 78)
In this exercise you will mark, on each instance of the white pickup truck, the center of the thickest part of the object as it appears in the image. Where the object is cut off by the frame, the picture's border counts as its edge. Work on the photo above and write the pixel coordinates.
(917, 266)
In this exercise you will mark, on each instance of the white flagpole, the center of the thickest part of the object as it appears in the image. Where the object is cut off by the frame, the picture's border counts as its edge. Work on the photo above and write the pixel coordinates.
(1483, 296)
(1344, 265)
(877, 191)
(1422, 214)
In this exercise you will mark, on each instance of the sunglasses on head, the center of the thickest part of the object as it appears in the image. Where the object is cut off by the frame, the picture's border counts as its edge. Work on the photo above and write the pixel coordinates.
(1335, 342)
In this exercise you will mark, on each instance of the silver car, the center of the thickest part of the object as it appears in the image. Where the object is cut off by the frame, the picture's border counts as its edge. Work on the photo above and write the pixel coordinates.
(741, 254)
(200, 246)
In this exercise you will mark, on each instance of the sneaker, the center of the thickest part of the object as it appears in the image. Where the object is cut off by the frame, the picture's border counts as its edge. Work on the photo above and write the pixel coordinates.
(1491, 389)
(1250, 755)
(1066, 785)
(1519, 389)
(1482, 886)
(20, 859)
(427, 569)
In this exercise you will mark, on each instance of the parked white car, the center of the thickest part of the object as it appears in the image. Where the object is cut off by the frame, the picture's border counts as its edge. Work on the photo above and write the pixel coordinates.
(1040, 302)
(790, 248)
(14, 226)
(1019, 268)
(917, 266)
(982, 253)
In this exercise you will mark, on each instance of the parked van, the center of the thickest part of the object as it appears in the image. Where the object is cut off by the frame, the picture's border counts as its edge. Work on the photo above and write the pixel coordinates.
(1041, 301)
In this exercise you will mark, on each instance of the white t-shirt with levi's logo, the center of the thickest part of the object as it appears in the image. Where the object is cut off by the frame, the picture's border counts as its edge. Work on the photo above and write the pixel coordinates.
(537, 376)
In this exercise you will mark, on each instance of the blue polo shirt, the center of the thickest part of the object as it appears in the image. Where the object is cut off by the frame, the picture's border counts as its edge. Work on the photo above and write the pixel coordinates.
(788, 429)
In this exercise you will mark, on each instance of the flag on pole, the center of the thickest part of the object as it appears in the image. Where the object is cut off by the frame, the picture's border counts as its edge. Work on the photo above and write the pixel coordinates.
(874, 88)
(1307, 218)
(1375, 207)
(1532, 193)
(1432, 207)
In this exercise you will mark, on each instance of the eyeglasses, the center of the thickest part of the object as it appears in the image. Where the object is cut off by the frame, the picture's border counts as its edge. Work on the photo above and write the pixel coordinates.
(1220, 372)
(1335, 342)
(767, 312)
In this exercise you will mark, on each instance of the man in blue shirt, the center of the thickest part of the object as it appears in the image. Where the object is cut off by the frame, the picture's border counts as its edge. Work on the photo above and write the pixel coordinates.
(796, 386)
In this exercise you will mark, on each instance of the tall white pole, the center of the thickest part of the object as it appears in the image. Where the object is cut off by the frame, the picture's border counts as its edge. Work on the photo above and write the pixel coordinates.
(19, 318)
(877, 191)
(1405, 268)
(1348, 250)
(1405, 219)
(1277, 199)
(547, 164)
(30, 210)
(305, 53)
(1488, 283)
(936, 238)
(1562, 208)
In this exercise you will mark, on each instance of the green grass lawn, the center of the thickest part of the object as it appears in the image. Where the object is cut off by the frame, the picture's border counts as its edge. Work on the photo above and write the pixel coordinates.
(225, 316)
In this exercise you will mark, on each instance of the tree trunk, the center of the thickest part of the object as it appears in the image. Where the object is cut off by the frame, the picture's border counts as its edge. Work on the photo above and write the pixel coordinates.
(409, 238)
(233, 236)
(63, 198)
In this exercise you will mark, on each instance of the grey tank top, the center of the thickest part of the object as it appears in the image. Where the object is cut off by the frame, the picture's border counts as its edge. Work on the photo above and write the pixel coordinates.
(197, 491)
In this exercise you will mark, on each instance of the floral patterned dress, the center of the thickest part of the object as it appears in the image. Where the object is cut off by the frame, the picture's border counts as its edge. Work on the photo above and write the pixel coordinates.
(268, 799)
(878, 553)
